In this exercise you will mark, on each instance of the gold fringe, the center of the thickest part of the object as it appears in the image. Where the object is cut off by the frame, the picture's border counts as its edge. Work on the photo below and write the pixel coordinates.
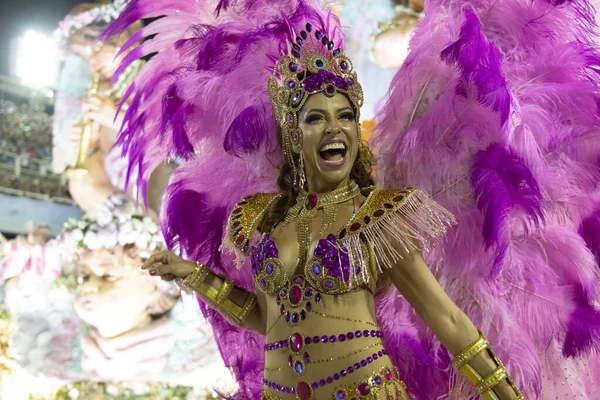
(416, 225)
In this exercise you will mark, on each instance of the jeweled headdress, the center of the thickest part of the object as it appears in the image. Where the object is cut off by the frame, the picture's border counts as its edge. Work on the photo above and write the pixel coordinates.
(316, 63)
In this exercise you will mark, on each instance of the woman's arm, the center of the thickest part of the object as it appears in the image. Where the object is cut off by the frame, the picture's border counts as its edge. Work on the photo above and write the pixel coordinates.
(235, 304)
(451, 326)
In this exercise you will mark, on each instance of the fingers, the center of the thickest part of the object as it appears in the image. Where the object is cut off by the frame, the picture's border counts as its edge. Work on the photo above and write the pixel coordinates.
(168, 277)
(162, 257)
(160, 269)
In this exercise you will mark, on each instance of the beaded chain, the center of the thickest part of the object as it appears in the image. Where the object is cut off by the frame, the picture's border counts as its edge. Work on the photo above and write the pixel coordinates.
(325, 339)
(324, 360)
(305, 209)
(325, 381)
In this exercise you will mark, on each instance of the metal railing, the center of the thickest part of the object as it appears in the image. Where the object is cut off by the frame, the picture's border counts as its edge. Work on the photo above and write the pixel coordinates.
(22, 168)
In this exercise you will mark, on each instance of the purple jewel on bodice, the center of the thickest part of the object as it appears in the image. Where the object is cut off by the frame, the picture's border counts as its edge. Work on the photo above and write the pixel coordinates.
(264, 249)
(335, 261)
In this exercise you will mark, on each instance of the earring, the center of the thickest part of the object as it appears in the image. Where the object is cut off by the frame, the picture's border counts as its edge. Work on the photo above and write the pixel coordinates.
(301, 175)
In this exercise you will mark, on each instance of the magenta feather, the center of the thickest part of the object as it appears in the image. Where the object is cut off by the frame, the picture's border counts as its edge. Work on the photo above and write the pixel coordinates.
(531, 151)
(590, 232)
(503, 186)
(479, 62)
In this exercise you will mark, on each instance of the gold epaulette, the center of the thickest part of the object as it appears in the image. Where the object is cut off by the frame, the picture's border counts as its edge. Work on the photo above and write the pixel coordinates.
(379, 204)
(245, 218)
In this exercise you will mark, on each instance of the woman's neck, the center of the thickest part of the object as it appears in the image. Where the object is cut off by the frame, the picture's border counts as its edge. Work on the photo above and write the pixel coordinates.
(324, 187)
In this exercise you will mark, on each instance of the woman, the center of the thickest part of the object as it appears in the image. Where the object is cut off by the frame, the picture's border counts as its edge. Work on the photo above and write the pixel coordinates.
(326, 243)
(106, 171)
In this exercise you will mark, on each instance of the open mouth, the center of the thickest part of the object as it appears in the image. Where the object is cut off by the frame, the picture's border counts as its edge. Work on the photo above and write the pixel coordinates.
(333, 153)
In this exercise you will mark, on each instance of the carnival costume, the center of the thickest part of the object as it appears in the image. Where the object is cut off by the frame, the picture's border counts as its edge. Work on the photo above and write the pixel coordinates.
(227, 73)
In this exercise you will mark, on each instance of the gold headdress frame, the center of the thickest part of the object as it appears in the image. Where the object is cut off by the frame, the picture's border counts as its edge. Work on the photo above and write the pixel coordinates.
(315, 65)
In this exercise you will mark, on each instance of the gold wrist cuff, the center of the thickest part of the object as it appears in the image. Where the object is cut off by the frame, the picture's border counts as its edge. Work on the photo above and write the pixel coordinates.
(485, 385)
(198, 277)
(465, 356)
(492, 380)
(219, 299)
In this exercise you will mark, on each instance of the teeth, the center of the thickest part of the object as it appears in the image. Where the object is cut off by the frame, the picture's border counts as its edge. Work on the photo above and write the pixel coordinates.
(333, 146)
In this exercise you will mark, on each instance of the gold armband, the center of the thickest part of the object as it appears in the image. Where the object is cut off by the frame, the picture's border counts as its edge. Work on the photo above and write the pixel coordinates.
(485, 385)
(219, 298)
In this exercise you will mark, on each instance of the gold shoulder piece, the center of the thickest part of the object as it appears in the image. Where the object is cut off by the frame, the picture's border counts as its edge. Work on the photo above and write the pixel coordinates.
(245, 218)
(380, 203)
(395, 222)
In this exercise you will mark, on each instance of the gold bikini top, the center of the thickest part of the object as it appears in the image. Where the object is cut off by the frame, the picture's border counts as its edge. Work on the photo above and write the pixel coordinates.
(388, 224)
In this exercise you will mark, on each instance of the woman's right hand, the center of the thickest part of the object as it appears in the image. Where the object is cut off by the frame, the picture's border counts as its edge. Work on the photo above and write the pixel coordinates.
(168, 266)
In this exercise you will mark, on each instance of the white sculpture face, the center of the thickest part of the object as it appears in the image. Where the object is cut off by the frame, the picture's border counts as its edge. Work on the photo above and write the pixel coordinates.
(113, 295)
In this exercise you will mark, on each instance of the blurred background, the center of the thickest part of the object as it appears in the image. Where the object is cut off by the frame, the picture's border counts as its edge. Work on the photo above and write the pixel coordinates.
(71, 241)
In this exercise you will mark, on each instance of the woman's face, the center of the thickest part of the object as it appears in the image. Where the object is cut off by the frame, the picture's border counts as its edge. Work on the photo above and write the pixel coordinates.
(330, 141)
(113, 295)
(99, 55)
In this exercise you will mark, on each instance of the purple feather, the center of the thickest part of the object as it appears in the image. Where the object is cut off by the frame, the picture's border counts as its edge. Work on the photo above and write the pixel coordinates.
(175, 113)
(223, 5)
(197, 232)
(246, 133)
(583, 332)
(589, 230)
(480, 63)
(503, 185)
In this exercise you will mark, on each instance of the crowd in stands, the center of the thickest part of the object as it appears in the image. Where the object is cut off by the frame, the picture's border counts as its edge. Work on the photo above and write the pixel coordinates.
(24, 130)
(25, 151)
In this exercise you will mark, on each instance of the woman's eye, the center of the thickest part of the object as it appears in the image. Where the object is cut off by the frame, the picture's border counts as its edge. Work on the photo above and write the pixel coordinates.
(311, 119)
(347, 116)
(110, 277)
(83, 278)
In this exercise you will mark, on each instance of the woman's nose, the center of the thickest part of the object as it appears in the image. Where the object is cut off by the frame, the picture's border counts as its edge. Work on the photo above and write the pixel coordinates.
(332, 127)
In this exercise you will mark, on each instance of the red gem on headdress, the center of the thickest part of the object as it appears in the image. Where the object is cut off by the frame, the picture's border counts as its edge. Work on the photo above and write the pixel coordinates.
(311, 201)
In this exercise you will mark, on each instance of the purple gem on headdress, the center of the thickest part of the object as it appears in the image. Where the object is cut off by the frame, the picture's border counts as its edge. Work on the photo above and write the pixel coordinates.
(319, 63)
(350, 83)
(344, 65)
(295, 99)
(295, 54)
(324, 41)
(291, 84)
(299, 40)
(295, 47)
(290, 118)
(336, 52)
(304, 35)
(318, 35)
(330, 89)
(309, 27)
(293, 67)
(330, 46)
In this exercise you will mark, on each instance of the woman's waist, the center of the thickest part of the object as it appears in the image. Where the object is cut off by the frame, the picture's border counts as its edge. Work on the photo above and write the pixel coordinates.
(298, 353)
(366, 368)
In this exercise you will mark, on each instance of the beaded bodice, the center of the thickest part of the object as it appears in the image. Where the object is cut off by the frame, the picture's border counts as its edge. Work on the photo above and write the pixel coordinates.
(340, 262)
(332, 286)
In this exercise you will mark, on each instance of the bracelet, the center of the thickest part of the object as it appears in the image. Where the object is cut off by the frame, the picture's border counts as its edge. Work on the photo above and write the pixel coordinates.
(219, 299)
(485, 385)
(198, 277)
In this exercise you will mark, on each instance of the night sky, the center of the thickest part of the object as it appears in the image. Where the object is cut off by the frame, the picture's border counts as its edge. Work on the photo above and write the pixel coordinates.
(17, 16)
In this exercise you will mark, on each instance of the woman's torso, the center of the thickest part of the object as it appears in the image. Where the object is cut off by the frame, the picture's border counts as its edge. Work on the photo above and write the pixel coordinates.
(330, 340)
